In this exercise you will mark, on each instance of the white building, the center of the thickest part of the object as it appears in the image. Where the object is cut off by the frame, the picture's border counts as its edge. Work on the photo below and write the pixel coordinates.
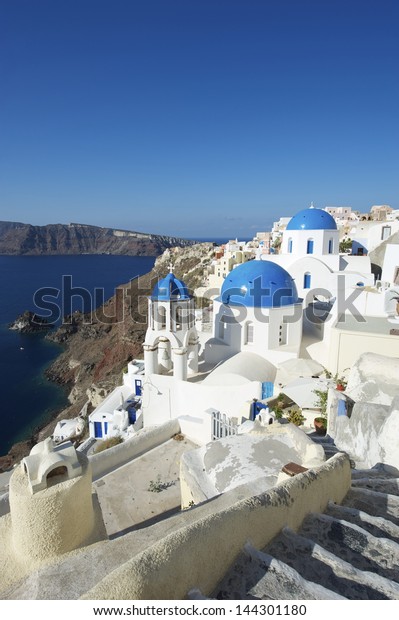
(120, 412)
(310, 253)
(308, 302)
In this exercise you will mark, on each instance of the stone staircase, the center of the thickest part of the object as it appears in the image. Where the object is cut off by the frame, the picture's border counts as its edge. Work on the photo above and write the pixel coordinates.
(351, 551)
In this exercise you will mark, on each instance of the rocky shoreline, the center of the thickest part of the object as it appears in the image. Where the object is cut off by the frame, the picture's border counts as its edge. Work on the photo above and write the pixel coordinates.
(30, 323)
(98, 345)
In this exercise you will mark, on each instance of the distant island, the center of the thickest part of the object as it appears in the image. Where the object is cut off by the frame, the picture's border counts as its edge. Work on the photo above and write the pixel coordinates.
(19, 239)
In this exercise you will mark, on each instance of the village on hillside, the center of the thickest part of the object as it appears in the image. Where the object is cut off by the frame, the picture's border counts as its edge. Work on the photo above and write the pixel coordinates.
(251, 453)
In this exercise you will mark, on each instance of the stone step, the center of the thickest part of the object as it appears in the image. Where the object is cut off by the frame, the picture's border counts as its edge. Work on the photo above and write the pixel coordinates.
(258, 576)
(377, 526)
(374, 503)
(382, 485)
(353, 544)
(374, 473)
(318, 565)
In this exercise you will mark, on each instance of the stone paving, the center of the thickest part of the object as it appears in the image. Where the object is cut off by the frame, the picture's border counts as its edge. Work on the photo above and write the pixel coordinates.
(143, 491)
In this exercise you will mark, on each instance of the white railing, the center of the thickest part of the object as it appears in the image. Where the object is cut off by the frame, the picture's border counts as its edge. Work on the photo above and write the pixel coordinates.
(222, 426)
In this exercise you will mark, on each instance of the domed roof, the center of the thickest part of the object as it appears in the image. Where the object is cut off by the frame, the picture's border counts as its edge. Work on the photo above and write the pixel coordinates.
(259, 283)
(170, 288)
(312, 219)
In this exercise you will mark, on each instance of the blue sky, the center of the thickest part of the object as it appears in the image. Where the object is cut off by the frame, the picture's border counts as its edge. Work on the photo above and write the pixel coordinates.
(196, 117)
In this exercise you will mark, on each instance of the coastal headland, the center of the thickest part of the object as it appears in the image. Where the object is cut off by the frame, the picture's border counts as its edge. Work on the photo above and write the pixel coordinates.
(17, 239)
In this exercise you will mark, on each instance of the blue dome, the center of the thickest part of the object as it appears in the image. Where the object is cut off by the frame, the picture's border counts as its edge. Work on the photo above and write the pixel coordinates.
(170, 288)
(259, 283)
(312, 219)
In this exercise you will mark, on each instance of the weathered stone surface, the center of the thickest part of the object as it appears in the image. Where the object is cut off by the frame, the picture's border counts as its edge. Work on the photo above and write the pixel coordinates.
(374, 379)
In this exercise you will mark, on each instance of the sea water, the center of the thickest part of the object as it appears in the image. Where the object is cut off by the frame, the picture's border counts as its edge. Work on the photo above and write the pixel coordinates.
(27, 398)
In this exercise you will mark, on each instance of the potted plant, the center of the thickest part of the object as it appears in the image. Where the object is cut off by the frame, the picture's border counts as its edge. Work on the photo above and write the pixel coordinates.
(320, 423)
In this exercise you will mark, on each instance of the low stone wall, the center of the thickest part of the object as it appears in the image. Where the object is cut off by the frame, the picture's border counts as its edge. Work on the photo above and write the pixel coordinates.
(4, 504)
(145, 439)
(198, 556)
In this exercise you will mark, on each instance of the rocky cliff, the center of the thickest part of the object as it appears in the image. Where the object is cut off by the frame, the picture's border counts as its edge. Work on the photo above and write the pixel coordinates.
(99, 345)
(17, 238)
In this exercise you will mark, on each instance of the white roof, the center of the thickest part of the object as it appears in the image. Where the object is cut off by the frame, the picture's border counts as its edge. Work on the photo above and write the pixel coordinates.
(301, 391)
(249, 366)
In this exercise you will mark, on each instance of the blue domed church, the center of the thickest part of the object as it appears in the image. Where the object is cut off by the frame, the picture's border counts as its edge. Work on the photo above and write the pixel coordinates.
(258, 311)
(171, 342)
(310, 253)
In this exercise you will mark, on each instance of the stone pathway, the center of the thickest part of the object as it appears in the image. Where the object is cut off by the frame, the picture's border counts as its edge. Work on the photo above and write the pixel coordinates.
(351, 551)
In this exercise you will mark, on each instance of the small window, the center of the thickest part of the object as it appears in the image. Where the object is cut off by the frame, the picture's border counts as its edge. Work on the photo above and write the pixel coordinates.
(222, 328)
(249, 333)
(330, 246)
(309, 248)
(282, 334)
(289, 246)
(385, 232)
(306, 280)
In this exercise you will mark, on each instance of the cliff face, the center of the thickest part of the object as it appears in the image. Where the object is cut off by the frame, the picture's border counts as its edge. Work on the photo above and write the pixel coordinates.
(99, 345)
(17, 238)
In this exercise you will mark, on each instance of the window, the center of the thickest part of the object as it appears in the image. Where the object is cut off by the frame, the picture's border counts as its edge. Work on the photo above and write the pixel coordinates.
(330, 246)
(179, 317)
(385, 232)
(249, 335)
(289, 246)
(306, 280)
(161, 318)
(309, 248)
(222, 328)
(282, 334)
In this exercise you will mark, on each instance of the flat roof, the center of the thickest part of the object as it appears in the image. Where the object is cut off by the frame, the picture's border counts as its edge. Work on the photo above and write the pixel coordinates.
(368, 324)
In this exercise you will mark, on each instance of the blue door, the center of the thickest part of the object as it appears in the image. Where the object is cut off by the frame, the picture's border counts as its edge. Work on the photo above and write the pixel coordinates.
(98, 430)
(137, 383)
(267, 389)
(105, 428)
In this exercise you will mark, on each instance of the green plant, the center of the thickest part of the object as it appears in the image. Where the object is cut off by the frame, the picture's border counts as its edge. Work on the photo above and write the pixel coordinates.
(108, 443)
(321, 402)
(156, 486)
(295, 417)
(278, 412)
(345, 245)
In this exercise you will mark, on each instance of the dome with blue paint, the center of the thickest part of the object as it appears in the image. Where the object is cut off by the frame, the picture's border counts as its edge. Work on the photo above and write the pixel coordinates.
(170, 289)
(260, 284)
(312, 219)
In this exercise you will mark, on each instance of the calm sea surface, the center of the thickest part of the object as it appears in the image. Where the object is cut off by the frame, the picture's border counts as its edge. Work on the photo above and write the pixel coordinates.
(27, 398)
